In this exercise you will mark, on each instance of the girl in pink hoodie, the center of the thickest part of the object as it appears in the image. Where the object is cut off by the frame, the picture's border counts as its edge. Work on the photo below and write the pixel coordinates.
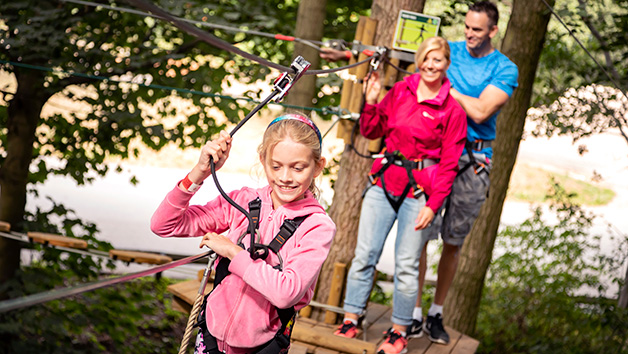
(241, 312)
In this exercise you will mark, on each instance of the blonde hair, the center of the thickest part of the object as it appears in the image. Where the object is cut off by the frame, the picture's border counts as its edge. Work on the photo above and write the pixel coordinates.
(297, 130)
(428, 45)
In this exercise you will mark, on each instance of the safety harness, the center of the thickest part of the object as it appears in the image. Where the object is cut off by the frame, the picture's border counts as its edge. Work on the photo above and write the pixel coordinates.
(287, 316)
(471, 146)
(397, 158)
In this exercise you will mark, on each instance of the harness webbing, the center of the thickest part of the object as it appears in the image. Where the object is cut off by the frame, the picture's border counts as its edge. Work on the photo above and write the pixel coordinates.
(281, 340)
(396, 158)
(472, 146)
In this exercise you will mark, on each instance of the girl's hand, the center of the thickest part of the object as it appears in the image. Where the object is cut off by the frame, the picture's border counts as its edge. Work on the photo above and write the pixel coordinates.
(426, 215)
(218, 150)
(220, 244)
(372, 87)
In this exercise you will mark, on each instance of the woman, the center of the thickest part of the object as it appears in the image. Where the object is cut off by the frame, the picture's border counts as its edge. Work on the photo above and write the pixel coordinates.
(424, 131)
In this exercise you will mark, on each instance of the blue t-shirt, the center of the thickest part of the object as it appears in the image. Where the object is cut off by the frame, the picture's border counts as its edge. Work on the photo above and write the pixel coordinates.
(470, 76)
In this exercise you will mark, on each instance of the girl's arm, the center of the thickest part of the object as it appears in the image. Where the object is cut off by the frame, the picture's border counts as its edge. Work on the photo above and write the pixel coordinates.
(218, 150)
(302, 264)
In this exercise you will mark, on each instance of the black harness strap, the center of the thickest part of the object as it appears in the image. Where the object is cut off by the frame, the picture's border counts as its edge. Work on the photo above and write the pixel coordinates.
(471, 146)
(396, 158)
(287, 316)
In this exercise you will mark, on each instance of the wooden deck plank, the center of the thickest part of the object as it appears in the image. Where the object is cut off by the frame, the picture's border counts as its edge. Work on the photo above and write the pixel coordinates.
(466, 345)
(454, 337)
(419, 345)
(298, 348)
(185, 293)
(375, 331)
(323, 336)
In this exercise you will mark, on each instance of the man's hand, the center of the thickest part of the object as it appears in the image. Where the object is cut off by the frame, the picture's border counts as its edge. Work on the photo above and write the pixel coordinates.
(334, 55)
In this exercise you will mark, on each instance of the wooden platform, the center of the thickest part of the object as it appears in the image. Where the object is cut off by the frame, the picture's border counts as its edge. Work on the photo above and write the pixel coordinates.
(314, 337)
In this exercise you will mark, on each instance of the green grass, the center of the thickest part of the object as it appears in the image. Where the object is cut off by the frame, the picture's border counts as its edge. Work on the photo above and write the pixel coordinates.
(531, 184)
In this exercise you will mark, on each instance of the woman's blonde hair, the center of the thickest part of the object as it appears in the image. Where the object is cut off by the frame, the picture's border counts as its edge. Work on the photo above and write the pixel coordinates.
(428, 45)
(300, 129)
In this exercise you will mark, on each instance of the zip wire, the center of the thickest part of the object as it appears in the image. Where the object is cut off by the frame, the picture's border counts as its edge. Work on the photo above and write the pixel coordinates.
(615, 83)
(312, 43)
(39, 298)
(219, 43)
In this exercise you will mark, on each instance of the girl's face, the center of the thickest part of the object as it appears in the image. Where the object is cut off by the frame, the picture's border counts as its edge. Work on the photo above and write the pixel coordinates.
(434, 67)
(290, 170)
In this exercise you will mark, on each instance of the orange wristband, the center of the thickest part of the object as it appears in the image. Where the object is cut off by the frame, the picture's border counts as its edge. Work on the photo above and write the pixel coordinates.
(189, 185)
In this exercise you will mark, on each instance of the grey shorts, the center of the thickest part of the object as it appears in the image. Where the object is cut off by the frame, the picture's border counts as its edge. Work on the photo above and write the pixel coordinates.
(459, 211)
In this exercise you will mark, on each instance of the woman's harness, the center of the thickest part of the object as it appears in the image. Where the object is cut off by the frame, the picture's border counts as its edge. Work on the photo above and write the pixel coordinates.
(287, 316)
(397, 158)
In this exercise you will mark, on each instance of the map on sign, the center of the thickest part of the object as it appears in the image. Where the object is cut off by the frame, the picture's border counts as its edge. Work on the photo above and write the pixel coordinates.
(412, 29)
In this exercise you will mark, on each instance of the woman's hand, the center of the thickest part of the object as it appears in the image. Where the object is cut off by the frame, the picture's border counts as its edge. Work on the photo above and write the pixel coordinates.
(220, 244)
(426, 215)
(372, 87)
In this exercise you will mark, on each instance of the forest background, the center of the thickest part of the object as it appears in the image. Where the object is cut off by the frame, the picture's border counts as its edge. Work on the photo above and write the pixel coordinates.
(116, 65)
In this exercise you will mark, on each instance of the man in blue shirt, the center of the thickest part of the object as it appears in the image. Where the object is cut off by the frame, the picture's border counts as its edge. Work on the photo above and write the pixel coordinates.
(483, 80)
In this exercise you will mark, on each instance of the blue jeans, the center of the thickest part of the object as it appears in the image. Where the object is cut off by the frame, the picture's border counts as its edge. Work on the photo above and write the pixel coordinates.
(376, 220)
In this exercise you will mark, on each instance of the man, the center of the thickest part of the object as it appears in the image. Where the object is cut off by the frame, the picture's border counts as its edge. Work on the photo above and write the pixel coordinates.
(483, 80)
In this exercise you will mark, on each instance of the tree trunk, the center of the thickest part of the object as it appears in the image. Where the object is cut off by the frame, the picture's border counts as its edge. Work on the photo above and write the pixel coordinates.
(310, 25)
(623, 295)
(23, 115)
(352, 176)
(522, 43)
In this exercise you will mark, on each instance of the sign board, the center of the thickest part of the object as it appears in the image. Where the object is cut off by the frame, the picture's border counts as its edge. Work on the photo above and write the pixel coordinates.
(412, 29)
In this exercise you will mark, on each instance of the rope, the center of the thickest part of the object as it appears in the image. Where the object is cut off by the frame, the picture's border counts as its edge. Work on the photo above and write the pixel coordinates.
(197, 305)
(39, 298)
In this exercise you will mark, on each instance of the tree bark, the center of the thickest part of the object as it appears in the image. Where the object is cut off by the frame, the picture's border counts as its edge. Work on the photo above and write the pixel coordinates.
(352, 175)
(310, 25)
(23, 116)
(528, 21)
(623, 295)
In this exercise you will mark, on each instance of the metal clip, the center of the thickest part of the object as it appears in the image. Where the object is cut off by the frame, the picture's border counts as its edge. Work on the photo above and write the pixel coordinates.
(377, 57)
(284, 83)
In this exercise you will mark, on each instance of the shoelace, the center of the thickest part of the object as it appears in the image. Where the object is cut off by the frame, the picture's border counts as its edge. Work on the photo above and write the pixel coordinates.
(393, 337)
(346, 327)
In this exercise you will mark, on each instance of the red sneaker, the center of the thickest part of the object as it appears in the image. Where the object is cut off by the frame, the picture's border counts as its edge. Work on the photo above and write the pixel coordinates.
(394, 343)
(348, 329)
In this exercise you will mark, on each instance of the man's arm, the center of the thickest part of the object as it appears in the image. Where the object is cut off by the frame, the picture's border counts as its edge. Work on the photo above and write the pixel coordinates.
(482, 108)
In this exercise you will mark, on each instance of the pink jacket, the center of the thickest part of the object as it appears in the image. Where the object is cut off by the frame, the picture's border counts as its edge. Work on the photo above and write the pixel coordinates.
(241, 311)
(434, 129)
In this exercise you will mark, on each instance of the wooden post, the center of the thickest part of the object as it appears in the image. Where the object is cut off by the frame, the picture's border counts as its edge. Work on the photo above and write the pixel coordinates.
(335, 292)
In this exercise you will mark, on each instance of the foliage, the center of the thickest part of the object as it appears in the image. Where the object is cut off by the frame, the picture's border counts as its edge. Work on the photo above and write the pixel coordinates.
(546, 290)
(133, 317)
(575, 94)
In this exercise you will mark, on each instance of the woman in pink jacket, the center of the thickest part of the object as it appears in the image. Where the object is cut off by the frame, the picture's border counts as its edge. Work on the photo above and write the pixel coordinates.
(424, 131)
(241, 315)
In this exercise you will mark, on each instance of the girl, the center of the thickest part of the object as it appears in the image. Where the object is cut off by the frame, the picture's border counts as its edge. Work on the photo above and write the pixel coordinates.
(242, 311)
(425, 131)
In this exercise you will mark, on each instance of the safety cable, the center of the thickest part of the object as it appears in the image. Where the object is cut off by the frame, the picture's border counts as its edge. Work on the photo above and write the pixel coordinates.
(310, 42)
(152, 86)
(615, 83)
(55, 294)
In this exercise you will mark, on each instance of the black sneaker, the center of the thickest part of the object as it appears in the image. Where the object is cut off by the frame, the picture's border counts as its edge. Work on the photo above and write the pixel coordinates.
(434, 327)
(415, 330)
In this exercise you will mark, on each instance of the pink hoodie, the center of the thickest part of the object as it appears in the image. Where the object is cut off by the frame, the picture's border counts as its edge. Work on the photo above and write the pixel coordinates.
(241, 311)
(434, 129)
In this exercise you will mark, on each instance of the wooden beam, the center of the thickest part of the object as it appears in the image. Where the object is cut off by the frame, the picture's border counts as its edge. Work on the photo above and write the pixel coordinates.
(139, 257)
(323, 336)
(56, 240)
(335, 292)
(5, 226)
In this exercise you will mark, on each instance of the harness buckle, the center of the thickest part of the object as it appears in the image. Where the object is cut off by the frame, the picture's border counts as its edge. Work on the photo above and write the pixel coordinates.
(417, 192)
(478, 170)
